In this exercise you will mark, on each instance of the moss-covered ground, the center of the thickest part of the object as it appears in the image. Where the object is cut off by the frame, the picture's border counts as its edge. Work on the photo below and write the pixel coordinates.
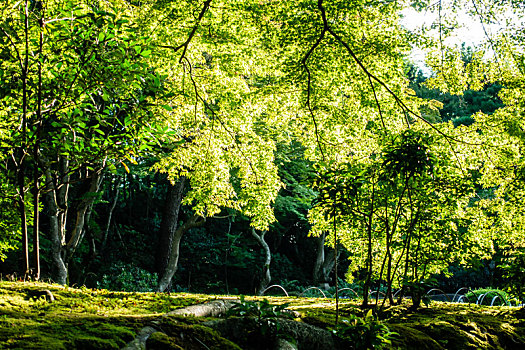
(98, 319)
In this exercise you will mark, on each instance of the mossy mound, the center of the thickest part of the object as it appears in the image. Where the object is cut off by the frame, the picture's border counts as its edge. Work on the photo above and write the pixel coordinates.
(442, 326)
(457, 326)
(188, 336)
(90, 342)
(31, 296)
(410, 338)
(21, 331)
(161, 341)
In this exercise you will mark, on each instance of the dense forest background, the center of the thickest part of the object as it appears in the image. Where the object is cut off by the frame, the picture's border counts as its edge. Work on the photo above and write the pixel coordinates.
(226, 146)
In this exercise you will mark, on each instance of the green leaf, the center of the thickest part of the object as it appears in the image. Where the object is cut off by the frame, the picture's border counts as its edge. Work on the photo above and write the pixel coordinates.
(145, 53)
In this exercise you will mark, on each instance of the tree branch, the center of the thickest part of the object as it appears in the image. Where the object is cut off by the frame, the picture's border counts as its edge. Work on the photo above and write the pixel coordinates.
(371, 76)
(308, 91)
(185, 44)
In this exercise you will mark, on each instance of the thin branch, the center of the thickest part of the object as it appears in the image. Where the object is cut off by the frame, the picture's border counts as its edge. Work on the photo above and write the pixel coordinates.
(377, 102)
(190, 72)
(20, 61)
(371, 76)
(487, 35)
(215, 115)
(59, 19)
(441, 36)
(185, 44)
(308, 91)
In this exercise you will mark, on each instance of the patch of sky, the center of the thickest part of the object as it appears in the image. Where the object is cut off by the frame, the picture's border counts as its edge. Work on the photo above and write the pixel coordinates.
(474, 25)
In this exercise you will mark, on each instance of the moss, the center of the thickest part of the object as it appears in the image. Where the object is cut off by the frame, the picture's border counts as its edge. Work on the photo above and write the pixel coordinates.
(92, 301)
(512, 337)
(442, 326)
(89, 342)
(192, 336)
(78, 317)
(81, 317)
(161, 341)
(410, 338)
(32, 342)
(324, 317)
(452, 337)
(321, 320)
(464, 328)
(42, 332)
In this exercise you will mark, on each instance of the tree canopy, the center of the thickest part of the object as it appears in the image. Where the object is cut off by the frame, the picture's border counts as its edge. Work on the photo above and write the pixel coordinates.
(217, 92)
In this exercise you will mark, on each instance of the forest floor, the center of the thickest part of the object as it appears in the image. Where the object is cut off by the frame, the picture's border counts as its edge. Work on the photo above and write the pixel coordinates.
(44, 316)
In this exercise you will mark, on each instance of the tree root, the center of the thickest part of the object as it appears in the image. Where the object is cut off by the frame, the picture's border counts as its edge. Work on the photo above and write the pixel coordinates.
(49, 295)
(213, 308)
(139, 343)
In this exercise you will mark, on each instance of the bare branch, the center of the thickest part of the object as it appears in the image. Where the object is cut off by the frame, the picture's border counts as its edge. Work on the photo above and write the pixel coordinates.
(377, 102)
(487, 35)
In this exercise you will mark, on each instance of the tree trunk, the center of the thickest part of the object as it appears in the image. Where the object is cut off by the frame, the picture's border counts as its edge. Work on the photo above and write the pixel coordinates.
(168, 225)
(328, 264)
(57, 201)
(324, 263)
(36, 226)
(319, 260)
(173, 259)
(36, 156)
(214, 308)
(23, 216)
(318, 276)
(83, 212)
(110, 214)
(22, 163)
(56, 216)
(265, 281)
(369, 262)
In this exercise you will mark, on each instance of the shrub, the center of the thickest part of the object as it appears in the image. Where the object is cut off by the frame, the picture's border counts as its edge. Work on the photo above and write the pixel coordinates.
(128, 278)
(487, 296)
(365, 333)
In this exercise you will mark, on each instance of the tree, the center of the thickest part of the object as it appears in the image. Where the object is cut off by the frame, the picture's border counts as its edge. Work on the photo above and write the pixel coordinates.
(230, 70)
(500, 134)
(216, 87)
(267, 277)
(394, 208)
(84, 112)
